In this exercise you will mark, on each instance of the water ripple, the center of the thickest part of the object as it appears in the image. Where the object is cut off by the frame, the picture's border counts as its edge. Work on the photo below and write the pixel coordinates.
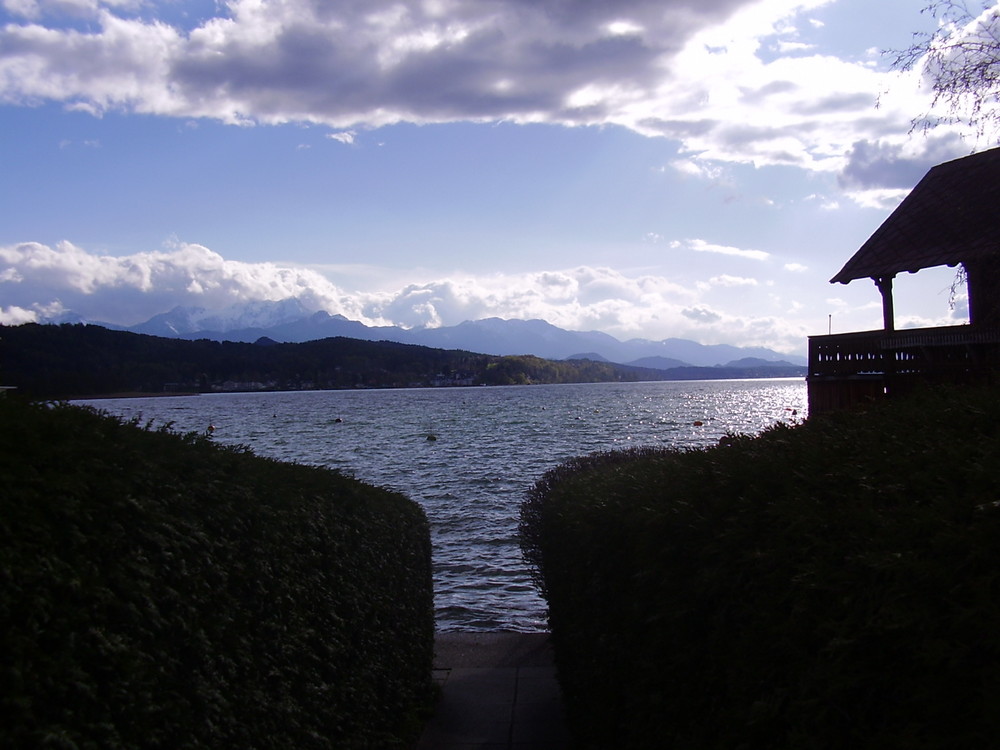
(491, 445)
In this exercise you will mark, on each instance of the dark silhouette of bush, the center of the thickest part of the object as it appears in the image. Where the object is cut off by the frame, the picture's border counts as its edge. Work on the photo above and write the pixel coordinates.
(834, 584)
(161, 591)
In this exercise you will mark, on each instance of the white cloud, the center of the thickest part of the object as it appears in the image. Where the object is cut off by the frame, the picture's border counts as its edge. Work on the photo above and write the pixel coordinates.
(701, 246)
(693, 70)
(701, 314)
(882, 199)
(15, 316)
(825, 203)
(796, 267)
(38, 282)
(733, 104)
(132, 288)
(624, 28)
(582, 298)
(346, 137)
(880, 173)
(788, 47)
(699, 169)
(731, 281)
(367, 63)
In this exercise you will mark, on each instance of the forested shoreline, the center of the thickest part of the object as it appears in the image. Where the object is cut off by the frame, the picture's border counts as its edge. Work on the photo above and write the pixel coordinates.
(73, 360)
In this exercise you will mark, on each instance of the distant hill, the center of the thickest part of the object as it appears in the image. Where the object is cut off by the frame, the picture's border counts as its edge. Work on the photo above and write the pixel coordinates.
(660, 363)
(67, 361)
(75, 360)
(291, 321)
(757, 362)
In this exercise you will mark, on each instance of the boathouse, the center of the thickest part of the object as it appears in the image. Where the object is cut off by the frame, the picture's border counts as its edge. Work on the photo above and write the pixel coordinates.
(951, 218)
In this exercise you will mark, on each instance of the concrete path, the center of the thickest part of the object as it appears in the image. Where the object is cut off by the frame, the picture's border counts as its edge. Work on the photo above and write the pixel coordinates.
(499, 692)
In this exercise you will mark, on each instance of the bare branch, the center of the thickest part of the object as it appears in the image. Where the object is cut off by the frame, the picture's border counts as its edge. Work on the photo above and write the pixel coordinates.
(961, 59)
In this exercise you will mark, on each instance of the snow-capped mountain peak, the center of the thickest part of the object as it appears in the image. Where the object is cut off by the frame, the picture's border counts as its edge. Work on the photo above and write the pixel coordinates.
(254, 314)
(289, 320)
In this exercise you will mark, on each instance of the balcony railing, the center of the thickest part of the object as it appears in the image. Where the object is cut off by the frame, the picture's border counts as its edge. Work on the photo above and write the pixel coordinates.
(849, 368)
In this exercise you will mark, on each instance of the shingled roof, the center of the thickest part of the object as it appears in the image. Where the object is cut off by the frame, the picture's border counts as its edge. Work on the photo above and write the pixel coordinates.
(951, 216)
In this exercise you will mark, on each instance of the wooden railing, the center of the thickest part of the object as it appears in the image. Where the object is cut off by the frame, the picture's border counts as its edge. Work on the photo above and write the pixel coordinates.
(849, 368)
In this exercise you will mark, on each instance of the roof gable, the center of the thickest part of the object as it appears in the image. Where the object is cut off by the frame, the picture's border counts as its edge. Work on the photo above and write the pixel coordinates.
(951, 216)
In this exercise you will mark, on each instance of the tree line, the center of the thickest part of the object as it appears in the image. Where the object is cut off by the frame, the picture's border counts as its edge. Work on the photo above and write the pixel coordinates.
(72, 360)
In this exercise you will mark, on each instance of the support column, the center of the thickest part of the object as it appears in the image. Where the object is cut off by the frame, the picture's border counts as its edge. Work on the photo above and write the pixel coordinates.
(982, 280)
(884, 284)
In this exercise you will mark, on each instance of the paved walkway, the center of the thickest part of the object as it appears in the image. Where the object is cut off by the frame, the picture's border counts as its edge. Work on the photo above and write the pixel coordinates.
(499, 692)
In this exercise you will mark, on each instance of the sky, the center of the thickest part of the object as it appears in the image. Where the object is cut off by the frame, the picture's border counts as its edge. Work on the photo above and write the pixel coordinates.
(646, 168)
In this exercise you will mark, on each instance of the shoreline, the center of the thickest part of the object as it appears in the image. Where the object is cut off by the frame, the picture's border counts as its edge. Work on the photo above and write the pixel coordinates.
(133, 394)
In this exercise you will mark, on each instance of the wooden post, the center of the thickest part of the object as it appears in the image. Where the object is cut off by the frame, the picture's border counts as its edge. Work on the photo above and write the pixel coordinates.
(982, 277)
(884, 284)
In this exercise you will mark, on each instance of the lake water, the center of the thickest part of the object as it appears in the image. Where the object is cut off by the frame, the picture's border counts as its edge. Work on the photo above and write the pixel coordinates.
(468, 455)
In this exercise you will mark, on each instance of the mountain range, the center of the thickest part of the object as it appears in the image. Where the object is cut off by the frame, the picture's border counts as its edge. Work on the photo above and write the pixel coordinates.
(290, 321)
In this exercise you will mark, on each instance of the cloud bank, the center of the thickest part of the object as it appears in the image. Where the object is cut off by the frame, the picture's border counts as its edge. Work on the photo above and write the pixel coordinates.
(730, 79)
(41, 283)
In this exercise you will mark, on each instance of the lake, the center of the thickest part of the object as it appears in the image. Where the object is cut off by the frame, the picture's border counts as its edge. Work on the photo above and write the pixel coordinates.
(468, 455)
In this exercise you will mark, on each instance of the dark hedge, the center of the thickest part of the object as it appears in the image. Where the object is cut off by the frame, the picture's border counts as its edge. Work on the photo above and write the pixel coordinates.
(161, 591)
(834, 584)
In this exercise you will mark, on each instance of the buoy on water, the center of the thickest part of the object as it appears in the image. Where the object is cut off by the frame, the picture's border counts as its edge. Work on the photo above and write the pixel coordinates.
(431, 437)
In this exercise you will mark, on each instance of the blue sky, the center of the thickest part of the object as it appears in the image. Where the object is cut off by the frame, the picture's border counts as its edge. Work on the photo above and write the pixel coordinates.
(690, 168)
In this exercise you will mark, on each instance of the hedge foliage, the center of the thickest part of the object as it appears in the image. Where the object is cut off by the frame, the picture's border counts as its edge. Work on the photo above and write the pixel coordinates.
(162, 591)
(834, 584)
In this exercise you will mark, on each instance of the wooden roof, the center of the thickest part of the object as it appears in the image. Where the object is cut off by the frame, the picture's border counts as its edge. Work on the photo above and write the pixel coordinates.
(952, 215)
